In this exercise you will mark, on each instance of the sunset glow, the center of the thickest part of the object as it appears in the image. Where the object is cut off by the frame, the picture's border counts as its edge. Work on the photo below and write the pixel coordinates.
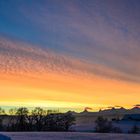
(69, 54)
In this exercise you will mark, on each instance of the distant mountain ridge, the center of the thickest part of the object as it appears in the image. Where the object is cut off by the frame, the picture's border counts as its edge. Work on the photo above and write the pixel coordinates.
(111, 111)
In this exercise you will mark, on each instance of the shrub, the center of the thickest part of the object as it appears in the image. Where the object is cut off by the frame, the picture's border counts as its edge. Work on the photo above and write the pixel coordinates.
(59, 122)
(134, 130)
(116, 130)
(103, 125)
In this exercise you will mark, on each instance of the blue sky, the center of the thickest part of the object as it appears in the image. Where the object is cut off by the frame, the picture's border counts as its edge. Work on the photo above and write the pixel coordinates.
(100, 32)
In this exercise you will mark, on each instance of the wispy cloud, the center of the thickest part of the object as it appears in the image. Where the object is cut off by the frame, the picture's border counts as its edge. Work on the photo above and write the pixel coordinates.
(22, 58)
(99, 32)
(63, 50)
(92, 37)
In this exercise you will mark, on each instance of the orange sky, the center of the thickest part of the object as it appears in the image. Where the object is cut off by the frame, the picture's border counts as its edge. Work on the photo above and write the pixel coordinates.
(66, 91)
(31, 76)
(70, 54)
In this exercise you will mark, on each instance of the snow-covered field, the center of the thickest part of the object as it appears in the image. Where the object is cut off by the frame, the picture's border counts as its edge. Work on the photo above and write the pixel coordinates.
(125, 126)
(68, 136)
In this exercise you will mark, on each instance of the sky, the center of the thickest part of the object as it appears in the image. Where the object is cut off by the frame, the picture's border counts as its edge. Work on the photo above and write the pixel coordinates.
(70, 54)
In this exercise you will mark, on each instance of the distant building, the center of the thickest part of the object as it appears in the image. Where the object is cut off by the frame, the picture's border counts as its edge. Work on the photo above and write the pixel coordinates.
(131, 117)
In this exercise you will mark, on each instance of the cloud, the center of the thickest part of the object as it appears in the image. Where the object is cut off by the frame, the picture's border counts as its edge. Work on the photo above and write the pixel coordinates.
(79, 37)
(99, 32)
(25, 59)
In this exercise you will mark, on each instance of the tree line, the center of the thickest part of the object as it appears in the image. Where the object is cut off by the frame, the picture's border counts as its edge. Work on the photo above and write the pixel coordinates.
(38, 119)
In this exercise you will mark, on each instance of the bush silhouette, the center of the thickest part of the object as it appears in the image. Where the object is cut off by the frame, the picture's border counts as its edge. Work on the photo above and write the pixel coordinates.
(135, 130)
(105, 126)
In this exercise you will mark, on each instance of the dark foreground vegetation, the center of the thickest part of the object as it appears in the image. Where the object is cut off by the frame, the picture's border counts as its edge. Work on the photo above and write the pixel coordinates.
(39, 119)
(36, 120)
(103, 125)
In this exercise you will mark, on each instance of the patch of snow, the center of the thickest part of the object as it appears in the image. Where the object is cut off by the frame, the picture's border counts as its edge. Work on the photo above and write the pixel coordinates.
(69, 136)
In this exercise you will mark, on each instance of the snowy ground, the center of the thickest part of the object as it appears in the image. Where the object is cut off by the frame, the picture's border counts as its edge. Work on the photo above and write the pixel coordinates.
(125, 126)
(68, 136)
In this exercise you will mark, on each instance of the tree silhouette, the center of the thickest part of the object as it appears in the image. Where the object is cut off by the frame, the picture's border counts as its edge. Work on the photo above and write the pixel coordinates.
(37, 120)
(103, 125)
(38, 115)
(22, 115)
(135, 130)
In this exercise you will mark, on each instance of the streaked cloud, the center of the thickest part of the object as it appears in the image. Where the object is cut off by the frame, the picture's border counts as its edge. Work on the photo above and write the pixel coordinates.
(22, 58)
(99, 32)
(72, 48)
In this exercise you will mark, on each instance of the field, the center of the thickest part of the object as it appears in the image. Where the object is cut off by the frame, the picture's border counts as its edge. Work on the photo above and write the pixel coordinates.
(68, 136)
